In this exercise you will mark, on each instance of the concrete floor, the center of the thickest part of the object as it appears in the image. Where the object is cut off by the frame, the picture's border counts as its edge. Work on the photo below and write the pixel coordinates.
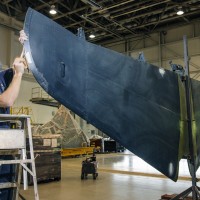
(122, 176)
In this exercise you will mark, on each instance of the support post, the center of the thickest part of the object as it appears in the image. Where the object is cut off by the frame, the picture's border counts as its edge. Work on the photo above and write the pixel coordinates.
(191, 157)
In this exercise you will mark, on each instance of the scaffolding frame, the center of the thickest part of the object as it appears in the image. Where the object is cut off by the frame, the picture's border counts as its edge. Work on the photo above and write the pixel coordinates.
(15, 140)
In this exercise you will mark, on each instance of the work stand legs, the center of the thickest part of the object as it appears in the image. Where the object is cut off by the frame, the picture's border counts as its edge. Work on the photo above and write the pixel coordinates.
(195, 193)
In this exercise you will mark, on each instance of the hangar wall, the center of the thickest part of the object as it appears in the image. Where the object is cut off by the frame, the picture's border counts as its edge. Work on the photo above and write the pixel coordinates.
(10, 47)
(162, 47)
(158, 48)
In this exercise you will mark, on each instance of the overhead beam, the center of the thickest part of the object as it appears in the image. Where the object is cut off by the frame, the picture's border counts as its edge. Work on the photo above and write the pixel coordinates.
(101, 26)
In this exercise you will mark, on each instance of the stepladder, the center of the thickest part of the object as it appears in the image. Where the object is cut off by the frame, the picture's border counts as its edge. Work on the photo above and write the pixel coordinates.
(14, 164)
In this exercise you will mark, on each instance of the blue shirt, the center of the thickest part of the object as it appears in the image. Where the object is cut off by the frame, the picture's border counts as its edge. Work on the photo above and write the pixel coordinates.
(6, 77)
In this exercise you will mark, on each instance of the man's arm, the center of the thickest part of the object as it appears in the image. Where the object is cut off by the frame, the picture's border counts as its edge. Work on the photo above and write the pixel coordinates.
(8, 97)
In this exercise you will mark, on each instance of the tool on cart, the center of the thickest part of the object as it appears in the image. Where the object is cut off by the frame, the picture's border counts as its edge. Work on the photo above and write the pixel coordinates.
(89, 166)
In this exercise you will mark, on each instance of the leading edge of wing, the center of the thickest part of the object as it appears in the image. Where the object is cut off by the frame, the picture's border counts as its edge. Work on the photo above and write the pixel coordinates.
(111, 99)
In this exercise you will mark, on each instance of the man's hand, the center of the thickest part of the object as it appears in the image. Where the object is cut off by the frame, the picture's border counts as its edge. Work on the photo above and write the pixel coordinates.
(23, 37)
(19, 65)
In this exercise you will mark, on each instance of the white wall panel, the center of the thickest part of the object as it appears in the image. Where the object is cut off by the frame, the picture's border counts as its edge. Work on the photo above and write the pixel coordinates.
(150, 53)
(16, 47)
(194, 46)
(136, 44)
(10, 47)
(172, 50)
(196, 29)
(4, 45)
(177, 48)
(118, 47)
(177, 33)
(152, 41)
(171, 47)
(41, 113)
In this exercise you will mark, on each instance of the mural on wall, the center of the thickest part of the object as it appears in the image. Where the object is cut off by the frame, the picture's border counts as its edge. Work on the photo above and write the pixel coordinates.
(139, 105)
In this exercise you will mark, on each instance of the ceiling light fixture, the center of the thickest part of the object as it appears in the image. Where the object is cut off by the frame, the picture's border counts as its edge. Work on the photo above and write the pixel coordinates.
(92, 36)
(52, 10)
(180, 11)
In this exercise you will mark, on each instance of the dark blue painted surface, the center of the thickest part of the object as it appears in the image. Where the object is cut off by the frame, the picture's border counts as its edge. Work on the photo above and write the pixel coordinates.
(130, 101)
(7, 172)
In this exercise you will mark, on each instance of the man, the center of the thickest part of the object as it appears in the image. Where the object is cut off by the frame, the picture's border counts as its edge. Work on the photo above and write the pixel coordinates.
(10, 81)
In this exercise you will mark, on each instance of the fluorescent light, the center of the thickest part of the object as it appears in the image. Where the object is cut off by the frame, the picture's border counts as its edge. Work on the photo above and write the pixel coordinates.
(92, 36)
(52, 11)
(180, 11)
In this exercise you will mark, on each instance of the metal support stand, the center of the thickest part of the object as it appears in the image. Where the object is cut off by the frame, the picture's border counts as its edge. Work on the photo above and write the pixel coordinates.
(15, 139)
(194, 189)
